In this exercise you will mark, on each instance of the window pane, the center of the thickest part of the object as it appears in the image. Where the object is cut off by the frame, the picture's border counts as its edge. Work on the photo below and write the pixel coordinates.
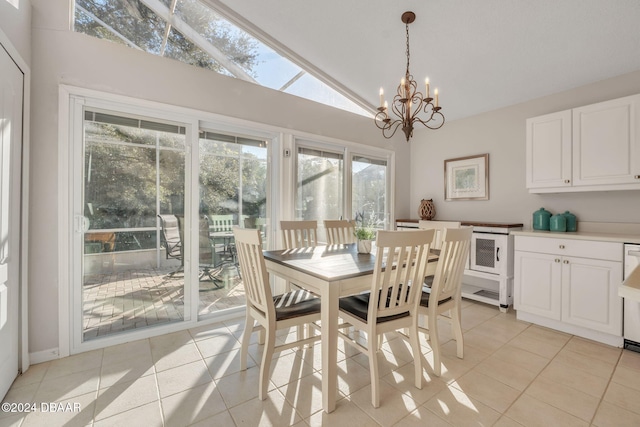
(319, 193)
(132, 167)
(369, 192)
(233, 191)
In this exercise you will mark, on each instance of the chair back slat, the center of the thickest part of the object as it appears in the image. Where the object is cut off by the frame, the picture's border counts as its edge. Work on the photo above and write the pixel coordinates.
(439, 226)
(401, 261)
(447, 281)
(219, 223)
(254, 271)
(299, 234)
(339, 231)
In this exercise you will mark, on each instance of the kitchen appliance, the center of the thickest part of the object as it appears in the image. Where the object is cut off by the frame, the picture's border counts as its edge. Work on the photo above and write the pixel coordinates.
(631, 325)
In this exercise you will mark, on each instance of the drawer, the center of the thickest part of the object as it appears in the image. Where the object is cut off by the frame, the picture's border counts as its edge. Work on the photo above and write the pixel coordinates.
(611, 251)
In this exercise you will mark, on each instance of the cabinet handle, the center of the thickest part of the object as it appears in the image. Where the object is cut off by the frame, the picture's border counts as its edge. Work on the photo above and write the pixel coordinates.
(567, 181)
(561, 246)
(557, 260)
(637, 176)
(565, 261)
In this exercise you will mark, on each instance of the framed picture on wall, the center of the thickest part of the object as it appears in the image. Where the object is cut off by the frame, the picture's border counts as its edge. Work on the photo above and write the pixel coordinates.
(467, 178)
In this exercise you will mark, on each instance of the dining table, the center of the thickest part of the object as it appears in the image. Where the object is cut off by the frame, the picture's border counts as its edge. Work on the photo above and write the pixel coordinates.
(330, 271)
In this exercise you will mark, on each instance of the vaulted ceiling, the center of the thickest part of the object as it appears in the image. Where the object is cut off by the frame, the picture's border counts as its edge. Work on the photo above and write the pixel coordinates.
(482, 55)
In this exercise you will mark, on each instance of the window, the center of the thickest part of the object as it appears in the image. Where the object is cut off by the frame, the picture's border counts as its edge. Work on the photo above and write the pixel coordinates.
(369, 190)
(320, 189)
(191, 31)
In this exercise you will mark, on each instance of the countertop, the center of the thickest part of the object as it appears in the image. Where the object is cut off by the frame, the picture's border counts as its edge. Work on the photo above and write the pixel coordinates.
(471, 223)
(603, 236)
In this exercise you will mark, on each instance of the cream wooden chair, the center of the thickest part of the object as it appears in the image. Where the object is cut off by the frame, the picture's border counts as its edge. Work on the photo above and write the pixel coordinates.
(392, 303)
(271, 313)
(444, 294)
(340, 231)
(299, 234)
(439, 226)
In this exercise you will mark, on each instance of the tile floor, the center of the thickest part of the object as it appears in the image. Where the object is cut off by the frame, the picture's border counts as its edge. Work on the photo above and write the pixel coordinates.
(513, 374)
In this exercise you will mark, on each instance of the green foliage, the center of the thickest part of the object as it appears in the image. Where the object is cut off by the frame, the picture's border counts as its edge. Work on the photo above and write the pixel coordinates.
(366, 224)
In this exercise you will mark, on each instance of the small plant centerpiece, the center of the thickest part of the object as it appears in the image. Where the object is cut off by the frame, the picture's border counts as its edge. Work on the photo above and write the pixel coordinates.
(365, 232)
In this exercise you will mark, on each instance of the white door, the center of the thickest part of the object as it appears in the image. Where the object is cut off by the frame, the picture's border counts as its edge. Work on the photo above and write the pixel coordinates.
(11, 98)
(549, 150)
(537, 284)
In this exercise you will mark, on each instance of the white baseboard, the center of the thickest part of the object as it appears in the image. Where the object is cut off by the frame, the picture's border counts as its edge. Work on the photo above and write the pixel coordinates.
(44, 356)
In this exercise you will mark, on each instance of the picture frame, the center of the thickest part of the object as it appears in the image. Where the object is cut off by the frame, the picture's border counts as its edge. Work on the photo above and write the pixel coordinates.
(467, 178)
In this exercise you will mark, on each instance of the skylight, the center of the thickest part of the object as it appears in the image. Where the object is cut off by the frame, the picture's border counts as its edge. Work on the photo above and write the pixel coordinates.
(192, 32)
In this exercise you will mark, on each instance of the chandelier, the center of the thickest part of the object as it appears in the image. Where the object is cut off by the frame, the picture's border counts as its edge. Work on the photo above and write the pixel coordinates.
(408, 103)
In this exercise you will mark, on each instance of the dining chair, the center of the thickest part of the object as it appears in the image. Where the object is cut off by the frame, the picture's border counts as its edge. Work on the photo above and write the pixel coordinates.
(439, 226)
(392, 302)
(442, 292)
(271, 313)
(299, 234)
(340, 231)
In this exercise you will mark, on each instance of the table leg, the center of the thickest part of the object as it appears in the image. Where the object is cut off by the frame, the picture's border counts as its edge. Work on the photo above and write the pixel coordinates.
(329, 318)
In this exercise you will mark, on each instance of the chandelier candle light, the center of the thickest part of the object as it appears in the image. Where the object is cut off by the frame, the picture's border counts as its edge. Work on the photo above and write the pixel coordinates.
(408, 102)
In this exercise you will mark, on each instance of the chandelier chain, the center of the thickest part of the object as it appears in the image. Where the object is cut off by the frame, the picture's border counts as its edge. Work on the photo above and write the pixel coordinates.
(408, 51)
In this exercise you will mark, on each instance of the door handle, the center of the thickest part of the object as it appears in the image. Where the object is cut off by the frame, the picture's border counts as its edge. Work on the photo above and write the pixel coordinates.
(634, 253)
(498, 254)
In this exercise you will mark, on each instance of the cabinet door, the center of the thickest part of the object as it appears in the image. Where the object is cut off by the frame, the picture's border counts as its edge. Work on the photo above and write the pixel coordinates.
(537, 287)
(606, 142)
(590, 294)
(549, 150)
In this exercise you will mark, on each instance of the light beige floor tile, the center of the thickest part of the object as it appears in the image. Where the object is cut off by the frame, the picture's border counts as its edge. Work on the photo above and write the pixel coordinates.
(172, 341)
(11, 419)
(193, 405)
(217, 344)
(240, 387)
(168, 357)
(34, 375)
(210, 331)
(352, 376)
(499, 330)
(487, 390)
(346, 413)
(458, 409)
(630, 359)
(628, 377)
(148, 415)
(224, 364)
(547, 335)
(506, 372)
(422, 417)
(595, 350)
(273, 411)
(74, 412)
(64, 388)
(125, 371)
(623, 396)
(571, 400)
(23, 394)
(183, 378)
(576, 378)
(133, 351)
(123, 397)
(452, 366)
(479, 340)
(532, 412)
(387, 362)
(305, 394)
(287, 368)
(505, 421)
(393, 405)
(223, 419)
(73, 364)
(313, 355)
(532, 344)
(610, 415)
(585, 363)
(477, 314)
(402, 380)
(522, 358)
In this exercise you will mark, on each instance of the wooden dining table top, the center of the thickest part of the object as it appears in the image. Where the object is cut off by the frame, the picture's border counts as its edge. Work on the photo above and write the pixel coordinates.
(329, 262)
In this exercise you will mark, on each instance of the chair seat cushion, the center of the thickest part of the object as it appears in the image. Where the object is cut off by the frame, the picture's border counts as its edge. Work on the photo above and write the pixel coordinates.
(426, 292)
(358, 305)
(296, 303)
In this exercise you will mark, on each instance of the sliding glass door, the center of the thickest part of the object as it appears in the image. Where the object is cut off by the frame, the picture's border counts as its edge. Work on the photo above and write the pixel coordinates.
(133, 176)
(369, 195)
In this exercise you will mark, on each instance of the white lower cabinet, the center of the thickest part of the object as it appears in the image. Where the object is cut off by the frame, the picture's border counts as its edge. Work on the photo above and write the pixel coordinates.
(570, 285)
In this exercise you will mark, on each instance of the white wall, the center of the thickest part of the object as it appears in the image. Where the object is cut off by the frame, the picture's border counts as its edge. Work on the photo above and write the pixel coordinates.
(64, 57)
(15, 23)
(501, 133)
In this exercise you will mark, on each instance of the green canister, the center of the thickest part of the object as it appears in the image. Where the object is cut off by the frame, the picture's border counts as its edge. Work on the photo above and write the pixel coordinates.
(558, 223)
(541, 219)
(571, 220)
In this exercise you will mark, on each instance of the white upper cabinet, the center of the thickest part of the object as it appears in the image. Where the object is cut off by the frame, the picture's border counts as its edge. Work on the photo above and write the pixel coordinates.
(591, 148)
(549, 150)
(606, 147)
